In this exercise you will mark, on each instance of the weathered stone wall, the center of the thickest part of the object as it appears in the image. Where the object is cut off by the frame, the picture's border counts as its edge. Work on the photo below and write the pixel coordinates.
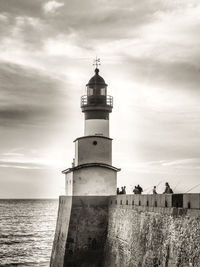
(141, 235)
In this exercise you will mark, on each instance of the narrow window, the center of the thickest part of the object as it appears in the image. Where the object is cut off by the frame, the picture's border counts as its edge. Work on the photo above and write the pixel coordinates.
(90, 91)
(103, 91)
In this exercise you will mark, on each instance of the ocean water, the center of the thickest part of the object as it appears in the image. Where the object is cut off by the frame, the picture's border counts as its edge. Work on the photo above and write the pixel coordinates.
(26, 232)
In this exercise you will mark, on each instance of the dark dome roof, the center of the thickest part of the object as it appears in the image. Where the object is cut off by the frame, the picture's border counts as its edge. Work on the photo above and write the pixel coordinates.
(96, 79)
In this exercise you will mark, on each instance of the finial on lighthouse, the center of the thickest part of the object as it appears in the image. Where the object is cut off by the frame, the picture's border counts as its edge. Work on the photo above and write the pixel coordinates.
(96, 63)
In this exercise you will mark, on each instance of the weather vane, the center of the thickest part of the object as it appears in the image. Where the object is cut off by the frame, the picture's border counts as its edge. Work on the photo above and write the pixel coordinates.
(96, 62)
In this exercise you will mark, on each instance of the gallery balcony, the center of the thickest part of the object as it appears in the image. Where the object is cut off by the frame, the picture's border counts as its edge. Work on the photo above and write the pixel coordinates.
(97, 100)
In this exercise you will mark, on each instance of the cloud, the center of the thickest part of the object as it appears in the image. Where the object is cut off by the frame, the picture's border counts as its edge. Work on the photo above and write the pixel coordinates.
(184, 163)
(28, 96)
(150, 31)
(188, 163)
(173, 75)
(52, 6)
(29, 160)
(65, 45)
(32, 9)
(22, 166)
(12, 154)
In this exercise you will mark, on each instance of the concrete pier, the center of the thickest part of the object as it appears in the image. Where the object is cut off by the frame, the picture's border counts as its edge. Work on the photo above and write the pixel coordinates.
(128, 231)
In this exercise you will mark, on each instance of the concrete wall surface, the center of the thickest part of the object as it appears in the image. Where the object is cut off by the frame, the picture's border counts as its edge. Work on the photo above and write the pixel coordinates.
(141, 236)
(191, 201)
(92, 149)
(59, 244)
(187, 201)
(93, 127)
(69, 183)
(94, 181)
(82, 239)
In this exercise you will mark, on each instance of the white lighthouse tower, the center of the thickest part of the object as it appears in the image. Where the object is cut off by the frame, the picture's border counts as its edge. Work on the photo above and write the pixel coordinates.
(92, 173)
(82, 222)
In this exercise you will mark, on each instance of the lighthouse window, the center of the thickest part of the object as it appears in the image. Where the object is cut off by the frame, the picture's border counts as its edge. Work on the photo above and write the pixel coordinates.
(103, 91)
(90, 91)
(94, 143)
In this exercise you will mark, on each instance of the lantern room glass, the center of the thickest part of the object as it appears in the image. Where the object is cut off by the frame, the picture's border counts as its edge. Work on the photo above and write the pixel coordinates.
(96, 91)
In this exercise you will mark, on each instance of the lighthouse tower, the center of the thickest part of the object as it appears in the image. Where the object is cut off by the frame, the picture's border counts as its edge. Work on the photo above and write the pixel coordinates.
(83, 212)
(92, 173)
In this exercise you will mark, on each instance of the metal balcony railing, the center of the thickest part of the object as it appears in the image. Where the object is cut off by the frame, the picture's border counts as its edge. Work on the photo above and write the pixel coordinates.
(97, 99)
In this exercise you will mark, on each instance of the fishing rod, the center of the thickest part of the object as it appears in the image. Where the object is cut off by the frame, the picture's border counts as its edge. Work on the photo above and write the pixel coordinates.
(192, 188)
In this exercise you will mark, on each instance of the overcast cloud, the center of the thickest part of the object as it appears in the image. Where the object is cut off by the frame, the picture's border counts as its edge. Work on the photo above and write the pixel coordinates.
(150, 53)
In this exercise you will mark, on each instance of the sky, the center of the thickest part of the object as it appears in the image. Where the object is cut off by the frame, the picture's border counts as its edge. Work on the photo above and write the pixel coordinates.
(150, 59)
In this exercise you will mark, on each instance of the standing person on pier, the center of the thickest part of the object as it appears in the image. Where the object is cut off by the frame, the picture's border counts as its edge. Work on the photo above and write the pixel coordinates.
(168, 189)
(154, 190)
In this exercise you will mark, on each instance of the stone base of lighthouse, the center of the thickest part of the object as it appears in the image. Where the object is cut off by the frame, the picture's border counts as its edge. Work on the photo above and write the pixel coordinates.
(81, 231)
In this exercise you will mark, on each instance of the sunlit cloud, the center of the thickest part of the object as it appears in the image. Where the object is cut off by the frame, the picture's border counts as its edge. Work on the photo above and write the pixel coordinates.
(31, 163)
(192, 163)
(29, 159)
(27, 167)
(64, 45)
(12, 154)
(52, 6)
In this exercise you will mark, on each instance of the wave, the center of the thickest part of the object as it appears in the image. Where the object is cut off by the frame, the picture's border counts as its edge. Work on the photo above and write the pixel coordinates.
(15, 235)
(26, 264)
(26, 232)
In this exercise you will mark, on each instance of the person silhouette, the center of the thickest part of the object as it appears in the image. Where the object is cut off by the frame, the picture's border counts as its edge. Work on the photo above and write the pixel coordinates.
(168, 189)
(154, 190)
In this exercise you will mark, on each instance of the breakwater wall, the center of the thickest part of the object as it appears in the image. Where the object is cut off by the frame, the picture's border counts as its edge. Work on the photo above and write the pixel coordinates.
(128, 231)
(153, 230)
(81, 231)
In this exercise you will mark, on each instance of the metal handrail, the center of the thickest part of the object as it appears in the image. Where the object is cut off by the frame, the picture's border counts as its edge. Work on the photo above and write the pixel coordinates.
(84, 100)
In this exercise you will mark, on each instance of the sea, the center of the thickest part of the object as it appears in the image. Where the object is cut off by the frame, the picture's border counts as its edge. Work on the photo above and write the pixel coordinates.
(27, 230)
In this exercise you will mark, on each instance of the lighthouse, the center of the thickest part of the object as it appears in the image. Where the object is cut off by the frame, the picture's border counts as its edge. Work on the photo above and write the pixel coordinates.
(92, 173)
(82, 221)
